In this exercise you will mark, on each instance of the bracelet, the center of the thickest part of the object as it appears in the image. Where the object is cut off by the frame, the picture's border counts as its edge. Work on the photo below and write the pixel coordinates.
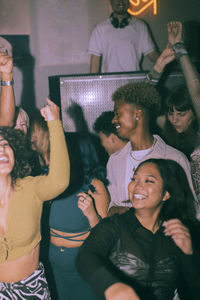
(7, 83)
(150, 79)
(179, 49)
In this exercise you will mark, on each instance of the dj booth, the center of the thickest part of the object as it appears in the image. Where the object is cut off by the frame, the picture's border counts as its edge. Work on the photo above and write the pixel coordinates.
(83, 97)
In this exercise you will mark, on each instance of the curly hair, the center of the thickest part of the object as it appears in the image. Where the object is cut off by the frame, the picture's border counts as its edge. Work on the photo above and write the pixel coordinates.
(17, 141)
(141, 94)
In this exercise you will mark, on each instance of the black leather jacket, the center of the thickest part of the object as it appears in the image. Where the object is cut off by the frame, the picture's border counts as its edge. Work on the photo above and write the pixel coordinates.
(120, 249)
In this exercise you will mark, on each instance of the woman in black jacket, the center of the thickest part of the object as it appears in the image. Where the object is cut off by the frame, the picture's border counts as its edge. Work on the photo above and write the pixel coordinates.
(148, 251)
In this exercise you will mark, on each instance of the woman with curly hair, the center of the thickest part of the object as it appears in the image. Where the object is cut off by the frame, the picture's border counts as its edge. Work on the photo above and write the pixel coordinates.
(21, 201)
(16, 140)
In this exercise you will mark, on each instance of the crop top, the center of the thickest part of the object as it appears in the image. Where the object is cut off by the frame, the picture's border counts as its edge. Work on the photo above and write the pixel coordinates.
(66, 216)
(25, 207)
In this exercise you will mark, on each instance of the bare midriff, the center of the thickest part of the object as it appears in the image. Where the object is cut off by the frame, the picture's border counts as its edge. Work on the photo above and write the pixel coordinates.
(62, 242)
(20, 268)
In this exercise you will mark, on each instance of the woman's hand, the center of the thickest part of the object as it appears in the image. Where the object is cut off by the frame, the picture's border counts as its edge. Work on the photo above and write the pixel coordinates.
(180, 235)
(165, 58)
(50, 111)
(6, 66)
(174, 32)
(85, 203)
(120, 291)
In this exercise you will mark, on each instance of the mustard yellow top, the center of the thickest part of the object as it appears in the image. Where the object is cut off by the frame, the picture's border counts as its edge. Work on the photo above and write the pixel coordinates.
(25, 208)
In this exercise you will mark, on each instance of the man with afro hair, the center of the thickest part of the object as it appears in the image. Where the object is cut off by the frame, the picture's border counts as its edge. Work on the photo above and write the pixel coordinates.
(136, 106)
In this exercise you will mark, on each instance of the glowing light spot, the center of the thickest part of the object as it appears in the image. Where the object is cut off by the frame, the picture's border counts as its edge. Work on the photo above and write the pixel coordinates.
(138, 6)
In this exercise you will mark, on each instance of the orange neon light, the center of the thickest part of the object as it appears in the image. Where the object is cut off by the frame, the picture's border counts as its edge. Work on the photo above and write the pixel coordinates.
(138, 6)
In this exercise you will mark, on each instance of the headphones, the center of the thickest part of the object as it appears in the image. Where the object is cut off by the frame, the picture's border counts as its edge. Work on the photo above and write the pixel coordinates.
(124, 22)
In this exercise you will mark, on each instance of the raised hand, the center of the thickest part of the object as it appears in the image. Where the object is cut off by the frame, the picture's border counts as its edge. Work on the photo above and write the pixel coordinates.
(174, 32)
(6, 65)
(180, 235)
(50, 111)
(85, 203)
(165, 58)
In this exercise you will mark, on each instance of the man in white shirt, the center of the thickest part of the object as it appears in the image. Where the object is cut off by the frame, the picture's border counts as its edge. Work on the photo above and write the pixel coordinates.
(120, 42)
(136, 107)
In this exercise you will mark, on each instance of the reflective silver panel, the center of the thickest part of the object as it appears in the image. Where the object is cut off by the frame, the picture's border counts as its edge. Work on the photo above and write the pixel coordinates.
(85, 97)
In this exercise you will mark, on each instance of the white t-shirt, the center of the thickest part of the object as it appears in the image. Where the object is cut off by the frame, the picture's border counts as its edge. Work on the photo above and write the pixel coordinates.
(121, 48)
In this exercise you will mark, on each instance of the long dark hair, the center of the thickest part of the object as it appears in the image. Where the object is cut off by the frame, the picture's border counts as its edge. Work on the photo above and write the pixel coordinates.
(180, 100)
(84, 162)
(181, 204)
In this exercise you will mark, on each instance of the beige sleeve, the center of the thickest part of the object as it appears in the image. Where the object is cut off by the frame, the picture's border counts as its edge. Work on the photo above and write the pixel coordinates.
(57, 180)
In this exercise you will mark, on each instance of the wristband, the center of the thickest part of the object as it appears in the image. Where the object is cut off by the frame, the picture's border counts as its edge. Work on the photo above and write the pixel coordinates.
(150, 79)
(7, 83)
(179, 49)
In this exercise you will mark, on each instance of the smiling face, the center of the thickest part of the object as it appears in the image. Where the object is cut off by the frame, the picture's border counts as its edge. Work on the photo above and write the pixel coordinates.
(125, 119)
(146, 189)
(180, 120)
(6, 157)
(119, 6)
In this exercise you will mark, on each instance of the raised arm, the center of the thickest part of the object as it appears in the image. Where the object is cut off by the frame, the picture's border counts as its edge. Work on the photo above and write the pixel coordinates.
(165, 58)
(57, 180)
(189, 70)
(7, 99)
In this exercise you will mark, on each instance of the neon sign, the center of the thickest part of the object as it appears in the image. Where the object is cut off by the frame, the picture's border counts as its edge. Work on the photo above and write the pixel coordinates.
(138, 6)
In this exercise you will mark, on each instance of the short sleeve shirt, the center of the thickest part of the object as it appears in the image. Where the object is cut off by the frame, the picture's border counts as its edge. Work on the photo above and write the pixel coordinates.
(121, 48)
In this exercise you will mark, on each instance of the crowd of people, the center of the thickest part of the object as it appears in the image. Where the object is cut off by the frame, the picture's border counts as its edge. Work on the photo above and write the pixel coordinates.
(71, 228)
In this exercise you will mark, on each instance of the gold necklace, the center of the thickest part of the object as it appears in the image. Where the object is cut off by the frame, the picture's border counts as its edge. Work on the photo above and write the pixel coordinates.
(151, 149)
